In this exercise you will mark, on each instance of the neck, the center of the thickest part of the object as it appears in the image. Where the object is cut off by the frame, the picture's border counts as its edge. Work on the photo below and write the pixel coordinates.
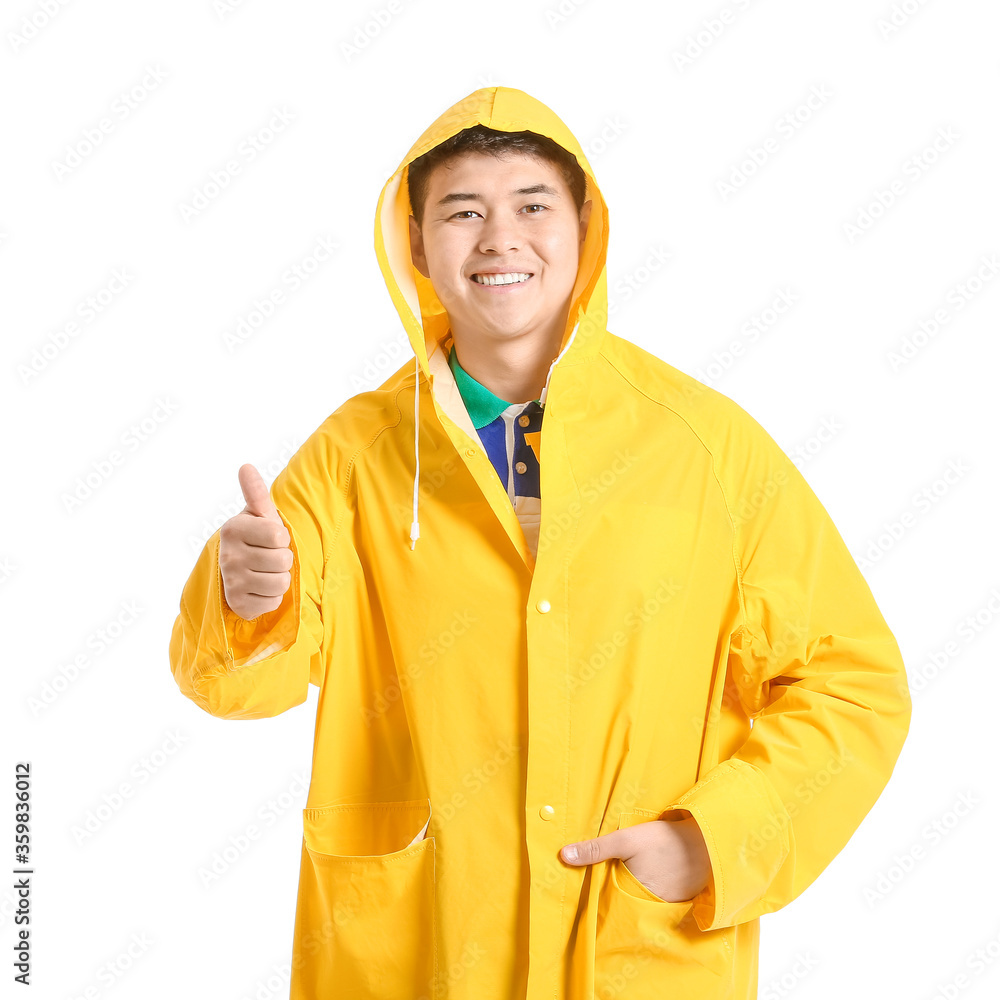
(514, 370)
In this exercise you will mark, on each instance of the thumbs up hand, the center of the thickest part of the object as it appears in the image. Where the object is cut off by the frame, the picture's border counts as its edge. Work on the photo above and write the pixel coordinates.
(254, 555)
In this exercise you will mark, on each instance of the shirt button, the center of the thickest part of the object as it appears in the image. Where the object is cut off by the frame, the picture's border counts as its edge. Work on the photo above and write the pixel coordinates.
(543, 606)
(521, 467)
(524, 420)
(546, 812)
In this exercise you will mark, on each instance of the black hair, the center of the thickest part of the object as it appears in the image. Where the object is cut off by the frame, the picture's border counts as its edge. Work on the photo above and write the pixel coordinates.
(480, 139)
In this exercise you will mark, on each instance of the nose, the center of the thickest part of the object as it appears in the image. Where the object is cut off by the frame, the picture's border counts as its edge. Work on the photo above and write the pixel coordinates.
(498, 235)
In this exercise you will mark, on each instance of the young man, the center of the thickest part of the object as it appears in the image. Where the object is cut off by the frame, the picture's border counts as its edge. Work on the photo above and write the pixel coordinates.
(501, 680)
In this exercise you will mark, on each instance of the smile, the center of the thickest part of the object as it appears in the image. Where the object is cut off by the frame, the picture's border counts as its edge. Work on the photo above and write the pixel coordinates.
(493, 280)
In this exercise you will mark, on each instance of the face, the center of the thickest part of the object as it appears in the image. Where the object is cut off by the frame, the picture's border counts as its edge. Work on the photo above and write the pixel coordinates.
(513, 215)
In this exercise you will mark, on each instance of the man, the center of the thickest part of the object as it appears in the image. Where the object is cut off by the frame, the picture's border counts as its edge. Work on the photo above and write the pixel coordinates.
(672, 664)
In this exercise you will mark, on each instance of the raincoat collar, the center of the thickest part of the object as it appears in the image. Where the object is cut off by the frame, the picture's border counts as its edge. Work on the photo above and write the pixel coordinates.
(422, 314)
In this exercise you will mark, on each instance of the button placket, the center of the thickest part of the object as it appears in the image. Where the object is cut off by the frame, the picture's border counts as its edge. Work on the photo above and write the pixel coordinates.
(525, 420)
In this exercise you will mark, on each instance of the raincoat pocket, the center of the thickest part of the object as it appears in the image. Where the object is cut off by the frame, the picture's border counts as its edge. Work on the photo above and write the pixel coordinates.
(647, 946)
(365, 923)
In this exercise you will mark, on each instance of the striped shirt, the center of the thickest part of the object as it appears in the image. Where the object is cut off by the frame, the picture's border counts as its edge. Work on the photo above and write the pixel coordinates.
(511, 434)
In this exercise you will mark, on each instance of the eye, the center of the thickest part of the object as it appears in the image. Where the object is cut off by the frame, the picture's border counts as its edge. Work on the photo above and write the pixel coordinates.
(468, 211)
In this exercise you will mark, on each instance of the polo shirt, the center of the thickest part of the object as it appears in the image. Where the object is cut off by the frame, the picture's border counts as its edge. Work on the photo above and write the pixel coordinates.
(511, 434)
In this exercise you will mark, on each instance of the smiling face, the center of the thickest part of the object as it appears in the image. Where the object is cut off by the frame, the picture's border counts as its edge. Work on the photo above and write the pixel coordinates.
(515, 215)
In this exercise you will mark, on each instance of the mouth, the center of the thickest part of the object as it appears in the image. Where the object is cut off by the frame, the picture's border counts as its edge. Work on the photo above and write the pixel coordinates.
(501, 282)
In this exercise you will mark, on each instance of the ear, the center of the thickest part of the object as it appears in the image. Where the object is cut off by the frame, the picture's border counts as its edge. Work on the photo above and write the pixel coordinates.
(417, 254)
(584, 221)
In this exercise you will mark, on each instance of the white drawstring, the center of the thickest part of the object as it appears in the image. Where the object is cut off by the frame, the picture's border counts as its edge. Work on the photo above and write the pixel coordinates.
(415, 526)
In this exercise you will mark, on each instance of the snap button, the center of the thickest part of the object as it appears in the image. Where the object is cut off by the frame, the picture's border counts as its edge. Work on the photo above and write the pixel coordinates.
(543, 606)
(520, 466)
(546, 812)
(470, 452)
(524, 420)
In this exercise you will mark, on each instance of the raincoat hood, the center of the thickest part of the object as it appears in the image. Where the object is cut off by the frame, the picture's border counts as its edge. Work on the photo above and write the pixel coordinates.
(505, 109)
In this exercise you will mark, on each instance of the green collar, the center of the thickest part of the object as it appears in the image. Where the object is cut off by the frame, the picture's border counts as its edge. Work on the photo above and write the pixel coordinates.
(483, 406)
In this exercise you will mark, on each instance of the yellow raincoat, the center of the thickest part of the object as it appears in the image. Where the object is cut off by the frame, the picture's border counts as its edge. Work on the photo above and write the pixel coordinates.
(480, 707)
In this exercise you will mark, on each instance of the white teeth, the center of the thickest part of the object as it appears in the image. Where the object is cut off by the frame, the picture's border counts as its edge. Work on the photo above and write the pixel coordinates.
(500, 279)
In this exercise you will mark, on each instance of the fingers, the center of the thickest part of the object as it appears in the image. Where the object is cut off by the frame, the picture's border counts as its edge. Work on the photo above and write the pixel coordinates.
(254, 530)
(253, 607)
(265, 584)
(256, 559)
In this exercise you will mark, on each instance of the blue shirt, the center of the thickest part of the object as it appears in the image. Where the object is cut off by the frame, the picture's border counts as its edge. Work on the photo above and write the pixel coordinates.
(511, 434)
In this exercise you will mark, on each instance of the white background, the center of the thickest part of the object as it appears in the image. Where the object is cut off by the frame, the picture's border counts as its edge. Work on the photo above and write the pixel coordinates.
(663, 139)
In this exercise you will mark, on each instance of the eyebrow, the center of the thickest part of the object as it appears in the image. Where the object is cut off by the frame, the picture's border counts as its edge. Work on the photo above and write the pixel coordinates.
(463, 196)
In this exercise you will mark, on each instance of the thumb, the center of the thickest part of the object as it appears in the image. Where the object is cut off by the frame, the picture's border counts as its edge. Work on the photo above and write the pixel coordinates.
(587, 852)
(255, 493)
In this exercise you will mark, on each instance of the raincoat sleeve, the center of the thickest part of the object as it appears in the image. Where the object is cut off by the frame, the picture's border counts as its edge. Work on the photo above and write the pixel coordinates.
(820, 675)
(238, 668)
